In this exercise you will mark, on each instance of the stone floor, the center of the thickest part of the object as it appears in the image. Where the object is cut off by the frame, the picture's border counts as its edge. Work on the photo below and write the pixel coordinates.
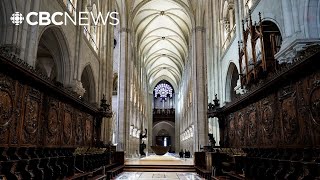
(158, 175)
(167, 159)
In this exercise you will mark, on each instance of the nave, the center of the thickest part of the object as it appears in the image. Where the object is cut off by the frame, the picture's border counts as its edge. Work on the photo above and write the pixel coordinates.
(166, 89)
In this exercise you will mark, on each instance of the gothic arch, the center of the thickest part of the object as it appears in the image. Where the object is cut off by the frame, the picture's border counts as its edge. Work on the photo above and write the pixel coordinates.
(231, 82)
(156, 81)
(159, 123)
(88, 83)
(169, 127)
(272, 37)
(53, 55)
(163, 132)
(180, 2)
(162, 49)
(275, 22)
(227, 22)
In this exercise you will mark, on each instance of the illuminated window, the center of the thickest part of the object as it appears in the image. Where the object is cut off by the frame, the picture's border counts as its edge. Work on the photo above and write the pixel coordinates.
(228, 24)
(91, 31)
(163, 91)
(71, 4)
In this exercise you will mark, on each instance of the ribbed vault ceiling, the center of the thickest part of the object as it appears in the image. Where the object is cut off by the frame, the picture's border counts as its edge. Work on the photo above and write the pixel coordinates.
(162, 30)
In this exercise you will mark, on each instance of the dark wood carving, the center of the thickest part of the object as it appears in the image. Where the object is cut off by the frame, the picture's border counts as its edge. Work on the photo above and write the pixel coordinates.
(314, 102)
(283, 111)
(269, 127)
(35, 112)
(79, 125)
(88, 130)
(31, 119)
(52, 121)
(41, 125)
(313, 106)
(67, 125)
(7, 97)
(289, 118)
(241, 130)
(232, 129)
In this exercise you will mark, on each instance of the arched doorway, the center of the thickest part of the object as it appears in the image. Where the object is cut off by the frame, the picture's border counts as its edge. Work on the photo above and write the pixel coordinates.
(163, 138)
(164, 134)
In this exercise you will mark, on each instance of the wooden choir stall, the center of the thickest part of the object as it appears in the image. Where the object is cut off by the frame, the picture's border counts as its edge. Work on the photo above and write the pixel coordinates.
(273, 130)
(46, 131)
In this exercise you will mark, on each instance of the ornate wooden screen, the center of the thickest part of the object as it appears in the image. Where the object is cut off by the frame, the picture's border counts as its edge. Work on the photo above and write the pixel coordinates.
(282, 112)
(36, 113)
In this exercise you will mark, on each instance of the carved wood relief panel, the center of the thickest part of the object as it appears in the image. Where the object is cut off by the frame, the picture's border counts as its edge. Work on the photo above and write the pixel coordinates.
(88, 130)
(67, 125)
(269, 127)
(314, 103)
(32, 110)
(241, 129)
(7, 98)
(288, 111)
(288, 117)
(53, 123)
(314, 106)
(79, 126)
(30, 117)
(231, 130)
(252, 128)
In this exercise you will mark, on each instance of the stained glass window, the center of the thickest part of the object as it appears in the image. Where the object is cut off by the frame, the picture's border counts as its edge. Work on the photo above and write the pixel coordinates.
(163, 90)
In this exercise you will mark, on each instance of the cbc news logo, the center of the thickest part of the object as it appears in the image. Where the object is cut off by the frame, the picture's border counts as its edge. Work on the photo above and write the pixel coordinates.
(17, 18)
(63, 18)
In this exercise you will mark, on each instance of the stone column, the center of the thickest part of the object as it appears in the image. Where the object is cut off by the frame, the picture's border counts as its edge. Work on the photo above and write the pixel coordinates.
(106, 70)
(150, 123)
(199, 89)
(122, 111)
(131, 124)
(295, 15)
(238, 19)
(177, 124)
(24, 34)
(79, 40)
(33, 38)
(287, 16)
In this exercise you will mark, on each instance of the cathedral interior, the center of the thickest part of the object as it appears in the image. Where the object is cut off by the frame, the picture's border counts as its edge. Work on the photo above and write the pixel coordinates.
(169, 89)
